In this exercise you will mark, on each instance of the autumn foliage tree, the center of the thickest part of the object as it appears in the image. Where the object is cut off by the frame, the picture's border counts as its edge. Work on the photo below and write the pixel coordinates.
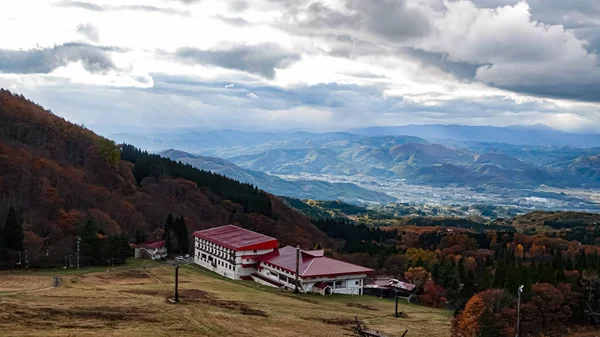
(417, 276)
(108, 151)
(487, 314)
(549, 309)
(433, 295)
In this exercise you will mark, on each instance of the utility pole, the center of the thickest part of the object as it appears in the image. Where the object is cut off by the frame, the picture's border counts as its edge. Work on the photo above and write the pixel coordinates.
(518, 310)
(175, 298)
(78, 242)
(297, 289)
(396, 314)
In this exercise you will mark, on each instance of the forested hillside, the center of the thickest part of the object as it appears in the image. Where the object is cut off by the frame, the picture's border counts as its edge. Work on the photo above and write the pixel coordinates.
(57, 177)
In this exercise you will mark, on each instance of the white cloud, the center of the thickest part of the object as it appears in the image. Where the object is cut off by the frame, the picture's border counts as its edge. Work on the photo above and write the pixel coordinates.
(338, 63)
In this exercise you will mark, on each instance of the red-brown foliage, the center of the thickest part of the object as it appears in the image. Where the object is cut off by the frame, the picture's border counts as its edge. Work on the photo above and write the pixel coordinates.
(52, 173)
(549, 310)
(488, 313)
(433, 295)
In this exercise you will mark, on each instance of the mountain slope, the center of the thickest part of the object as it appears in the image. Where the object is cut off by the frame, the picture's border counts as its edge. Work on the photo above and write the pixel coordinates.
(304, 189)
(57, 175)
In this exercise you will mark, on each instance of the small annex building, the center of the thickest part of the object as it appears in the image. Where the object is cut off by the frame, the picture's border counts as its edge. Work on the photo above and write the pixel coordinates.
(230, 250)
(150, 250)
(388, 287)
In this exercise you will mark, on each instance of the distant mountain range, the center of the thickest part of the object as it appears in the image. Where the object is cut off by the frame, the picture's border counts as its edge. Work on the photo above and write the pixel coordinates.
(451, 154)
(430, 163)
(519, 135)
(304, 189)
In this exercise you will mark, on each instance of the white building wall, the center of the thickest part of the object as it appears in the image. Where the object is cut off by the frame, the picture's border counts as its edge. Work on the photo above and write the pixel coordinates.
(225, 261)
(341, 284)
(279, 275)
(154, 254)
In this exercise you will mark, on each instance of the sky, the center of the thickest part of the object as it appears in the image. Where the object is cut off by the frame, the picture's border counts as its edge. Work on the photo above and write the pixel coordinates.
(315, 65)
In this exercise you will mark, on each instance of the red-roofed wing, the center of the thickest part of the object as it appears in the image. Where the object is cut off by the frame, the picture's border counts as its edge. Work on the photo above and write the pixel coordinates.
(237, 238)
(314, 253)
(311, 266)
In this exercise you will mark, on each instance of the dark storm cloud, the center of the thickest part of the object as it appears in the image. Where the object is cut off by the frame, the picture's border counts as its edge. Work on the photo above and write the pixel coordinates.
(260, 59)
(592, 36)
(389, 21)
(577, 92)
(98, 8)
(43, 61)
(88, 30)
(571, 13)
(462, 70)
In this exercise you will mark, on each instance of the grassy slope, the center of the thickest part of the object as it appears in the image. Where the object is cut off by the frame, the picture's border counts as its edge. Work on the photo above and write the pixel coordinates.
(132, 303)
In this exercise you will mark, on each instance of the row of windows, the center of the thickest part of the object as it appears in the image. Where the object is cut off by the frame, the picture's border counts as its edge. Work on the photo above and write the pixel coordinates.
(281, 277)
(207, 244)
(276, 268)
(216, 262)
(220, 253)
(291, 280)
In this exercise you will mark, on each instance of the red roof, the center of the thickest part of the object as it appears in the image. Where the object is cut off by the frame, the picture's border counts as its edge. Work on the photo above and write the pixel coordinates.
(321, 285)
(149, 245)
(310, 266)
(314, 253)
(237, 238)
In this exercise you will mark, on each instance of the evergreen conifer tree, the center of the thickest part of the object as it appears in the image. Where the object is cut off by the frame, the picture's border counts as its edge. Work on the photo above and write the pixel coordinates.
(13, 231)
(90, 243)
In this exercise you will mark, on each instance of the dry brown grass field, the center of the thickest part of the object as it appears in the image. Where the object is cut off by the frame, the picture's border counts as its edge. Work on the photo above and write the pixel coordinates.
(133, 303)
(10, 284)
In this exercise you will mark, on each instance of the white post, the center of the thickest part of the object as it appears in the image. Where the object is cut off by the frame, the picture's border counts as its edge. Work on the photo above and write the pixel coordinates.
(518, 309)
(78, 242)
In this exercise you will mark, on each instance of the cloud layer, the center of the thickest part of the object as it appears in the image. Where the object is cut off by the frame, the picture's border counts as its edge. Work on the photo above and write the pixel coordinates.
(318, 64)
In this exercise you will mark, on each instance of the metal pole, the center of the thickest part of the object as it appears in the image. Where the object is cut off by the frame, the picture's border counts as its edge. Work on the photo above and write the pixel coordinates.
(176, 299)
(396, 315)
(297, 289)
(518, 310)
(78, 242)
